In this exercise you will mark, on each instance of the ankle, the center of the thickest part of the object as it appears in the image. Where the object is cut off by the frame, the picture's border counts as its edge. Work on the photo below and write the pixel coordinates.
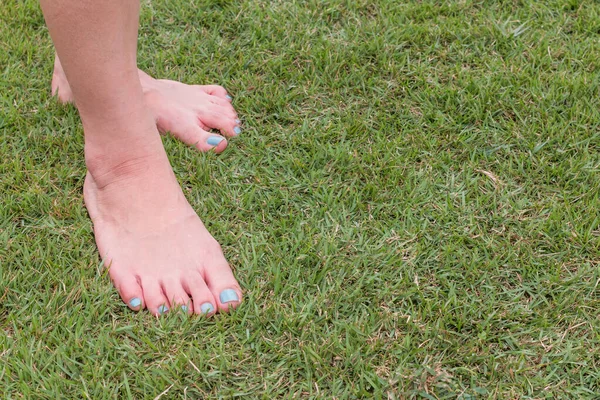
(124, 160)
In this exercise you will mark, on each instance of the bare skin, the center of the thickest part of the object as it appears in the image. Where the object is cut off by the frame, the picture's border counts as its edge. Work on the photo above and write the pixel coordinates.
(188, 112)
(159, 254)
(158, 250)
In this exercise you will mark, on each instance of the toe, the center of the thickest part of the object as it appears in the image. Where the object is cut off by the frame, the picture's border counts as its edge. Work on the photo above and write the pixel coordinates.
(222, 284)
(203, 140)
(129, 289)
(177, 296)
(204, 302)
(220, 118)
(212, 142)
(155, 300)
(219, 101)
(216, 90)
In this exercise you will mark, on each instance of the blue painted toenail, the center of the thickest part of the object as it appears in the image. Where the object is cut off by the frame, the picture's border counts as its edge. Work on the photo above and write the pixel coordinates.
(135, 302)
(237, 130)
(184, 308)
(237, 121)
(214, 140)
(228, 97)
(206, 308)
(163, 309)
(228, 295)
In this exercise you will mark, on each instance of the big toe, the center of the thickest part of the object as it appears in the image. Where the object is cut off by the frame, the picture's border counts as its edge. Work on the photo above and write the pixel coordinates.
(224, 287)
(203, 140)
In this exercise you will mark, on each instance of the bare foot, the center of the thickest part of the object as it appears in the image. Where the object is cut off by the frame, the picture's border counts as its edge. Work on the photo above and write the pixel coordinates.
(188, 112)
(60, 85)
(159, 254)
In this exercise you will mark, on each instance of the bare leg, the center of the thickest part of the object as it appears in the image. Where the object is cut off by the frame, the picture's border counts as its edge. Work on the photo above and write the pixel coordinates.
(188, 112)
(158, 251)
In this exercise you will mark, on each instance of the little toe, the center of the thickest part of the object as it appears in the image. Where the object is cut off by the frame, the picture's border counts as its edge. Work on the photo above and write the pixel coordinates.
(221, 102)
(130, 290)
(223, 285)
(155, 300)
(204, 302)
(177, 296)
(216, 90)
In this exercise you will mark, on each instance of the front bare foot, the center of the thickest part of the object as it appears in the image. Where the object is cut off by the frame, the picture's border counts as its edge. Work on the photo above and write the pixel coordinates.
(188, 112)
(159, 254)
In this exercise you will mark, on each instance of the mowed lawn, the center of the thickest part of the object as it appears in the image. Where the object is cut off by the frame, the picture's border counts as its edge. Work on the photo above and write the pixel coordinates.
(413, 208)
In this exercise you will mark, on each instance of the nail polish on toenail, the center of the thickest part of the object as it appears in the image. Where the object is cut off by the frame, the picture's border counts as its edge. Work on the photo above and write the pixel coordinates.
(163, 309)
(237, 121)
(184, 309)
(237, 130)
(206, 308)
(214, 140)
(228, 295)
(135, 302)
(228, 97)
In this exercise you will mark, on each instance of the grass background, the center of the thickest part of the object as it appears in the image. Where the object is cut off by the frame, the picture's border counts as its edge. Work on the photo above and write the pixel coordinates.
(412, 208)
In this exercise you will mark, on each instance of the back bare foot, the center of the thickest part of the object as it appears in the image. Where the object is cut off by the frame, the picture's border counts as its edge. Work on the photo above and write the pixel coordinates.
(188, 112)
(159, 254)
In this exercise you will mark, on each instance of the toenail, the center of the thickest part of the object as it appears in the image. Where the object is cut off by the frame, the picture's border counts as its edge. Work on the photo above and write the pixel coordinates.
(237, 130)
(237, 121)
(163, 309)
(214, 140)
(228, 295)
(228, 97)
(135, 302)
(184, 308)
(206, 308)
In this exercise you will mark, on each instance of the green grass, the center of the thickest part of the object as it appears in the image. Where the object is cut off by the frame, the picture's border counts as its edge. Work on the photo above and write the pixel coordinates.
(412, 209)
